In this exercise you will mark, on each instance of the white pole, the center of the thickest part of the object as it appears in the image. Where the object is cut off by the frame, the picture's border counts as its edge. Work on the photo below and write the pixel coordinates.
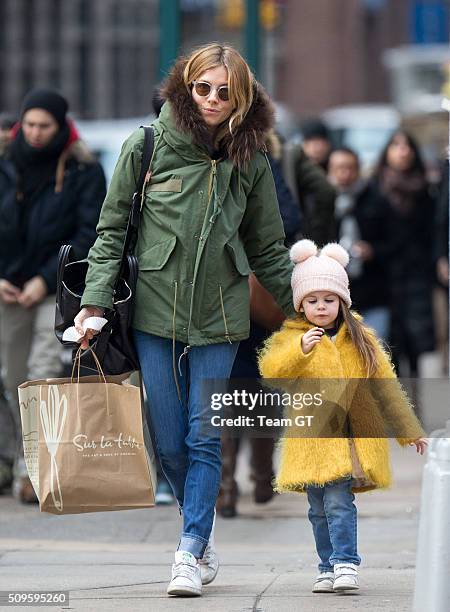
(432, 585)
(446, 106)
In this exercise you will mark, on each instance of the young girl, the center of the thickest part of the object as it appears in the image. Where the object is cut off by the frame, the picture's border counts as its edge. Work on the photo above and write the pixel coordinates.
(328, 341)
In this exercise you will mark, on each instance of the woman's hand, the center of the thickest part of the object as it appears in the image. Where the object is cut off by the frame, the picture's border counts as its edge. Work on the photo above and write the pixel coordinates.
(363, 250)
(8, 292)
(311, 338)
(87, 311)
(420, 444)
(33, 292)
(442, 270)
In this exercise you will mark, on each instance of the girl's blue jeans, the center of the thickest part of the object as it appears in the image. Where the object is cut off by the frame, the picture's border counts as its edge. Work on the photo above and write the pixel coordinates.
(334, 521)
(189, 452)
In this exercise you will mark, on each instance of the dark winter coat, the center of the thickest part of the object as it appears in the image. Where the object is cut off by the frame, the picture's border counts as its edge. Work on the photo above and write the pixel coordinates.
(289, 209)
(30, 248)
(316, 197)
(206, 222)
(410, 272)
(372, 214)
(441, 248)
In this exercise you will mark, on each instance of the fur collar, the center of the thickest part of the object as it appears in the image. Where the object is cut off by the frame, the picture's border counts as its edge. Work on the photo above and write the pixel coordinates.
(248, 138)
(80, 152)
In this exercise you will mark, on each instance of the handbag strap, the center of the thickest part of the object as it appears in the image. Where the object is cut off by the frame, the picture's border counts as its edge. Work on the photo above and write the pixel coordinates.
(64, 257)
(135, 209)
(134, 218)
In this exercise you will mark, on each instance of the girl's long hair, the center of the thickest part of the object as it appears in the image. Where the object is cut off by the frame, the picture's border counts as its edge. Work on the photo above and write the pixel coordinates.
(241, 81)
(360, 338)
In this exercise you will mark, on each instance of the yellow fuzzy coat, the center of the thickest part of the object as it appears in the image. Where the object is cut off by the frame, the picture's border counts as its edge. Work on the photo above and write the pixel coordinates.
(372, 407)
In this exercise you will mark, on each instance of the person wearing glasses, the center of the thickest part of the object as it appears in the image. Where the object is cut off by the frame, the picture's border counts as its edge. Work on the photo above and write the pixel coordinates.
(209, 217)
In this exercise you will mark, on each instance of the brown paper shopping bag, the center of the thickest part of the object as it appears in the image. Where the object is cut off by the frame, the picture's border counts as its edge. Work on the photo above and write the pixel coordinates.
(86, 444)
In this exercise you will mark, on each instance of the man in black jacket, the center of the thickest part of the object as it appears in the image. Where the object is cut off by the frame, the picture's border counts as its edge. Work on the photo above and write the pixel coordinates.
(51, 192)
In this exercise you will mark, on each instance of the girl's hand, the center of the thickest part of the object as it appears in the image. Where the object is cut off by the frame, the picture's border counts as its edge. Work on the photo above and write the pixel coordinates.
(87, 311)
(311, 338)
(420, 444)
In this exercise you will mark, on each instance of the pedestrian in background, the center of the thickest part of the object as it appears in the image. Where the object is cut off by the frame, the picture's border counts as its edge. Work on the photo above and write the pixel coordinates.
(7, 123)
(313, 192)
(401, 178)
(310, 185)
(8, 430)
(328, 341)
(362, 220)
(317, 143)
(442, 269)
(209, 217)
(51, 190)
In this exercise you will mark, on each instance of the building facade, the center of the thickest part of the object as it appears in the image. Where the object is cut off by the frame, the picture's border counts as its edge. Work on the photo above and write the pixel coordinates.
(102, 55)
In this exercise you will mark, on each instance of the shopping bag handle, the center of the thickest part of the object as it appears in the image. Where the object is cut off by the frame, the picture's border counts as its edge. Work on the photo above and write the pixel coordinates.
(77, 361)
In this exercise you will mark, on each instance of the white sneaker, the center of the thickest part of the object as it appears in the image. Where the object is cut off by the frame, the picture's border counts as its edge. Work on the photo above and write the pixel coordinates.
(186, 578)
(209, 563)
(345, 577)
(324, 583)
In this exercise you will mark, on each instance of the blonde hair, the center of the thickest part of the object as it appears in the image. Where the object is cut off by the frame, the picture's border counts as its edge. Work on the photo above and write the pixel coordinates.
(360, 337)
(240, 79)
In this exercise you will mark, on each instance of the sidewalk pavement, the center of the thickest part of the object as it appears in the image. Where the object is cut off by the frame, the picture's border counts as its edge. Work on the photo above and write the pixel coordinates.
(121, 560)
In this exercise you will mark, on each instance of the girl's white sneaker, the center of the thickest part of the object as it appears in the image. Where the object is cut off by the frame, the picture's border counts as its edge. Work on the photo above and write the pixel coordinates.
(186, 579)
(345, 577)
(324, 583)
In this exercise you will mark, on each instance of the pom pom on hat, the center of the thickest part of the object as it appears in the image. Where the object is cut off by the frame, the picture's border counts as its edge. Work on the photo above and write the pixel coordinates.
(335, 251)
(302, 250)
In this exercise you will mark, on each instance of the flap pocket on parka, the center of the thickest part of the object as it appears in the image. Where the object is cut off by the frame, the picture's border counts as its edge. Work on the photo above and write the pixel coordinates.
(173, 185)
(237, 254)
(156, 256)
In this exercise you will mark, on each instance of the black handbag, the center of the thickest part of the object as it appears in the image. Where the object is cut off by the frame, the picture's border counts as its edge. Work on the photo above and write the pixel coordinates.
(113, 346)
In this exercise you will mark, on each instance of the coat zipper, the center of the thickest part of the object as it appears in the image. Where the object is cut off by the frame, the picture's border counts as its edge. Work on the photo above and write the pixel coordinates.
(227, 335)
(203, 231)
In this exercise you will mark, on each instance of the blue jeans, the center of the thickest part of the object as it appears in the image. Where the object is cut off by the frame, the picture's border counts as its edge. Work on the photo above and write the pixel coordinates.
(190, 456)
(379, 319)
(333, 517)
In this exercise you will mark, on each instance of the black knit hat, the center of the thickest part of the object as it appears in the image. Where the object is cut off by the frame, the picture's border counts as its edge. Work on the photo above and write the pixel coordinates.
(314, 128)
(49, 100)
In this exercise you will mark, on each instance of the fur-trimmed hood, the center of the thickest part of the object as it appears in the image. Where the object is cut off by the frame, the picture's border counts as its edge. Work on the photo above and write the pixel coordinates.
(249, 137)
(80, 152)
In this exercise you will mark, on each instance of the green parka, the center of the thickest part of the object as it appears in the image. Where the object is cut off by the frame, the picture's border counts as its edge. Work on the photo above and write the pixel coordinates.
(205, 224)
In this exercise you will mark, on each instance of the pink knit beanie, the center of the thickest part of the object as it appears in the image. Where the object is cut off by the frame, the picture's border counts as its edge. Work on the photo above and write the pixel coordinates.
(324, 272)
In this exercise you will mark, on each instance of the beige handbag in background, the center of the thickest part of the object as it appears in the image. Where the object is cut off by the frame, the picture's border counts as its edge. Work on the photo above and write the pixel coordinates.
(86, 444)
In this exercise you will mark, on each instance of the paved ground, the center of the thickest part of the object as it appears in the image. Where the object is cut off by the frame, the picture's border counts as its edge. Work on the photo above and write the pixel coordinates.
(120, 560)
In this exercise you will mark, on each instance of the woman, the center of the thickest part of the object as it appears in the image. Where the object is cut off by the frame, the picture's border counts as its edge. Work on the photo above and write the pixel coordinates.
(51, 191)
(209, 216)
(401, 178)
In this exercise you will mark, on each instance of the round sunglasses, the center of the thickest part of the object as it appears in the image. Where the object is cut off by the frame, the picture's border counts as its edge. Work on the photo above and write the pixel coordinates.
(203, 89)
